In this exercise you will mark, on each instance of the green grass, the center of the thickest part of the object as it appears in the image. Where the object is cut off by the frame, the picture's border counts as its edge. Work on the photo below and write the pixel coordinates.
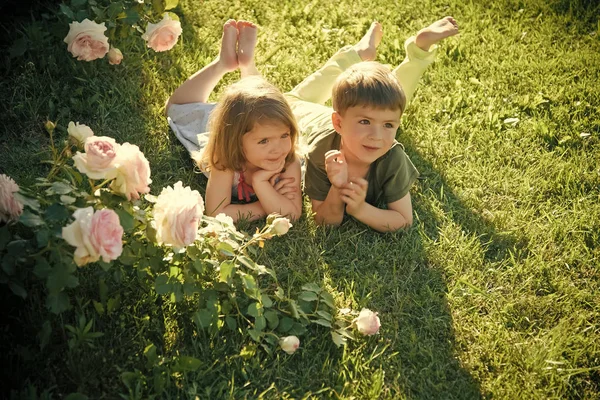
(492, 293)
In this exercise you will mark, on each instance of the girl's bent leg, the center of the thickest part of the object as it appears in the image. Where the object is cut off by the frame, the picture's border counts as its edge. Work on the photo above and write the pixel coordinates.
(199, 86)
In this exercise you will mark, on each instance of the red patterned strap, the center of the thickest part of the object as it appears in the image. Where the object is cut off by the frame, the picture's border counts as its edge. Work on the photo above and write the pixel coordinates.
(244, 190)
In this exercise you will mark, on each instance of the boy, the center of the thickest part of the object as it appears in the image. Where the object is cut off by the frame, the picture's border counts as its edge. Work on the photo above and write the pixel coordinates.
(353, 162)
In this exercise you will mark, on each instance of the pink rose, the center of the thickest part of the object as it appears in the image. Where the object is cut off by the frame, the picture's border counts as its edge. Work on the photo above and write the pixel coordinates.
(164, 35)
(289, 344)
(10, 208)
(114, 56)
(177, 215)
(133, 172)
(98, 161)
(86, 40)
(94, 234)
(367, 322)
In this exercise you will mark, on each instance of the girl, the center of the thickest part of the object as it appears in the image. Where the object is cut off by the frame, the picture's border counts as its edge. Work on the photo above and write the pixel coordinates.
(250, 149)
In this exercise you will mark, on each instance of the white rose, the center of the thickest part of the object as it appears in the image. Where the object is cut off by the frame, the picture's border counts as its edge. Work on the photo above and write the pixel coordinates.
(177, 215)
(367, 322)
(79, 131)
(115, 56)
(280, 226)
(289, 344)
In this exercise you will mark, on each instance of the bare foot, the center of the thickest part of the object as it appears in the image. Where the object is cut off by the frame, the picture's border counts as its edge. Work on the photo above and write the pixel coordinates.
(367, 46)
(435, 32)
(246, 44)
(228, 57)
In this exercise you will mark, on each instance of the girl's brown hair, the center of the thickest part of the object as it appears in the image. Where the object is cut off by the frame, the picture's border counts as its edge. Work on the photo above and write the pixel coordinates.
(243, 104)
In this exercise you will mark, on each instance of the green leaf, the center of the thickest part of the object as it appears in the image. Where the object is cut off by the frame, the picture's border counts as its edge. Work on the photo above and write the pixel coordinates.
(27, 201)
(18, 48)
(297, 329)
(158, 6)
(64, 199)
(42, 268)
(187, 363)
(323, 322)
(60, 278)
(325, 315)
(112, 304)
(226, 249)
(5, 237)
(327, 298)
(162, 285)
(150, 354)
(42, 237)
(272, 319)
(17, 289)
(57, 212)
(294, 309)
(203, 318)
(78, 3)
(249, 282)
(131, 17)
(266, 301)
(254, 334)
(312, 287)
(255, 310)
(308, 296)
(170, 4)
(114, 9)
(103, 290)
(30, 219)
(225, 271)
(76, 396)
(99, 307)
(59, 188)
(338, 339)
(260, 323)
(58, 302)
(125, 219)
(285, 324)
(67, 11)
(231, 323)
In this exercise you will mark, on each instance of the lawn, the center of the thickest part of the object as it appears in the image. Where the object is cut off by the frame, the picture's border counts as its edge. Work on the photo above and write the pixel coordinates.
(492, 293)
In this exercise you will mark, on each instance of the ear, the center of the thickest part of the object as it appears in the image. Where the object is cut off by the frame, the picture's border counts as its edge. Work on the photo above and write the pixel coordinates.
(336, 120)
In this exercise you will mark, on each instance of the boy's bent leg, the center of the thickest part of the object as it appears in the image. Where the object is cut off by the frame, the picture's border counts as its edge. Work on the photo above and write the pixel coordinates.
(415, 63)
(421, 51)
(316, 88)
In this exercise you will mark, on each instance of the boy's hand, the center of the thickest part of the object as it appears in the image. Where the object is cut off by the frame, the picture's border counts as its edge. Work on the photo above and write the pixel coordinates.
(336, 167)
(353, 193)
(285, 186)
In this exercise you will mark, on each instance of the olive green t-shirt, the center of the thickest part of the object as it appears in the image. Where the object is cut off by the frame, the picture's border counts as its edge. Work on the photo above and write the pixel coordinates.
(390, 176)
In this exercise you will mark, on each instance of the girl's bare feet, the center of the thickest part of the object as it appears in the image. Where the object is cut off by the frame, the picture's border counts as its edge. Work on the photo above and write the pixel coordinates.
(367, 46)
(228, 57)
(246, 44)
(435, 32)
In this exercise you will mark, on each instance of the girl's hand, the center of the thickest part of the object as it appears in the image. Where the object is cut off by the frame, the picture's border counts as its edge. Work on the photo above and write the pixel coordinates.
(336, 167)
(263, 175)
(286, 187)
(353, 194)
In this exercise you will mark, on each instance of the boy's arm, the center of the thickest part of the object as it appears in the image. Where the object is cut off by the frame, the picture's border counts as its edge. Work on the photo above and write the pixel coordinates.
(331, 210)
(397, 216)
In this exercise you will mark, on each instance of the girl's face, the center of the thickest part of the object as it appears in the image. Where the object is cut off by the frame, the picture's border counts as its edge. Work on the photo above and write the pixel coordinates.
(267, 145)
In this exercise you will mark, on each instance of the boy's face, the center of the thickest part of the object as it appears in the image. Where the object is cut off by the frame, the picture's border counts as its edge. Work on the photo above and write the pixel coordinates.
(367, 133)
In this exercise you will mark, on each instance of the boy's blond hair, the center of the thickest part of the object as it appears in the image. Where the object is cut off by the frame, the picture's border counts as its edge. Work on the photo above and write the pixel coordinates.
(243, 104)
(367, 84)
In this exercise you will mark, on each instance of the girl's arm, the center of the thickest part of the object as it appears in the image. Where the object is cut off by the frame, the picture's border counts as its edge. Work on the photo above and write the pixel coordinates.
(284, 198)
(218, 198)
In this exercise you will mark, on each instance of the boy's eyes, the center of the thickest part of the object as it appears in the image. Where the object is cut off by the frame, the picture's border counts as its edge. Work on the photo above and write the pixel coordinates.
(388, 125)
(285, 136)
(263, 141)
(364, 122)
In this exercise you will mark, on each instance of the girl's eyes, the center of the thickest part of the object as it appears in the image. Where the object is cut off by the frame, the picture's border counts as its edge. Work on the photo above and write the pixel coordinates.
(388, 125)
(285, 136)
(263, 141)
(364, 122)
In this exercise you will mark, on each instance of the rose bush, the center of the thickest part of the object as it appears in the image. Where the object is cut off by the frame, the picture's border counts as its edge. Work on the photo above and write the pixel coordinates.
(10, 208)
(99, 159)
(132, 173)
(79, 132)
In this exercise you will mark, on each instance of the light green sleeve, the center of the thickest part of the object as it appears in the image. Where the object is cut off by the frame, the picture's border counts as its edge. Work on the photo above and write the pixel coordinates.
(414, 65)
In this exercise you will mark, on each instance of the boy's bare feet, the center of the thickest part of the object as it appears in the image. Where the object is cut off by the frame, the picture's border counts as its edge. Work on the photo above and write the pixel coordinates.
(228, 57)
(367, 46)
(435, 32)
(246, 44)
